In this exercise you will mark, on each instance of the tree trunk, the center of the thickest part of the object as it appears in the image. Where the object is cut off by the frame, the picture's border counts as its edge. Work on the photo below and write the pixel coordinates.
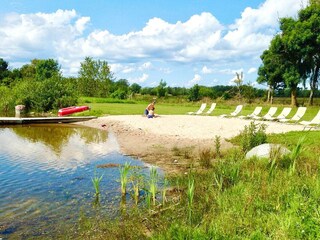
(313, 83)
(270, 95)
(294, 101)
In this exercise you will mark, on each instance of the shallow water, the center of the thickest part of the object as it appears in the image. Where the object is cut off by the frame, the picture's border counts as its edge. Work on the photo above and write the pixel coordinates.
(45, 177)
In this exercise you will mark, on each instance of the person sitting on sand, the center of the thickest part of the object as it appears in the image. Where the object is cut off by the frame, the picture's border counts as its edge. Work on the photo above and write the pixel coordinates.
(151, 114)
(149, 107)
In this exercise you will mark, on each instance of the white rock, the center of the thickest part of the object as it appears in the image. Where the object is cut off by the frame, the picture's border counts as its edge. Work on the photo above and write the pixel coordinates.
(263, 150)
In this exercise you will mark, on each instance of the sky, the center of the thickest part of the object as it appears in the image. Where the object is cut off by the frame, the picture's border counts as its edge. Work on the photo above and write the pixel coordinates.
(182, 42)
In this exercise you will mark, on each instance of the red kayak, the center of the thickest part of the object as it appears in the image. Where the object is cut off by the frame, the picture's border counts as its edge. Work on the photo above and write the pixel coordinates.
(71, 110)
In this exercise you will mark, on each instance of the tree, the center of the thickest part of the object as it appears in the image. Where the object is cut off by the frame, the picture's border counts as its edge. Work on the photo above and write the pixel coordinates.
(120, 89)
(271, 70)
(95, 78)
(161, 89)
(308, 32)
(135, 88)
(46, 68)
(286, 50)
(4, 71)
(194, 93)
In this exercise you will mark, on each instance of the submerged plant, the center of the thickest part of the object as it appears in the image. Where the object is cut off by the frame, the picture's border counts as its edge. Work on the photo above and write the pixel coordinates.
(124, 171)
(96, 183)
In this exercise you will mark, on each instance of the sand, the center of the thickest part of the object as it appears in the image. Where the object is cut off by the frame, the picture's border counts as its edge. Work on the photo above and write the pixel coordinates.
(170, 140)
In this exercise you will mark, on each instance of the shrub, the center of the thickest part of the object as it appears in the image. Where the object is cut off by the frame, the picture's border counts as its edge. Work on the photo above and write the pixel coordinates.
(253, 135)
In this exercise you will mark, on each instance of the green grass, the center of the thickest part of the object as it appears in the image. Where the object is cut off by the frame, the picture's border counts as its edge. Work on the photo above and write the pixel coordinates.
(235, 198)
(101, 106)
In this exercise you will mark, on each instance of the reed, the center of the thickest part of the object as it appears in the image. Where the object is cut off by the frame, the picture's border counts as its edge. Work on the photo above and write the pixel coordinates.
(164, 191)
(190, 194)
(153, 184)
(96, 183)
(295, 154)
(124, 171)
(136, 182)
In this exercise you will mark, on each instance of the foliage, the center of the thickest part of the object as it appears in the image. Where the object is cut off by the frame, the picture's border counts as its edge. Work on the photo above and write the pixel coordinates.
(124, 171)
(161, 89)
(96, 183)
(252, 135)
(95, 78)
(194, 93)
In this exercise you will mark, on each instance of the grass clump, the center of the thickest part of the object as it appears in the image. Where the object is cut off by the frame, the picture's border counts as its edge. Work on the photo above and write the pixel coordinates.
(253, 135)
(124, 171)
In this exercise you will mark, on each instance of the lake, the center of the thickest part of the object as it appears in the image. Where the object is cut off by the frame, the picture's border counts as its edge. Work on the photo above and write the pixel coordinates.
(46, 176)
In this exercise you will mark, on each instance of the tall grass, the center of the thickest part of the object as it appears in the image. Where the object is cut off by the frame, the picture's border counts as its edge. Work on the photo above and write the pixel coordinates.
(153, 184)
(124, 171)
(295, 154)
(96, 183)
(190, 195)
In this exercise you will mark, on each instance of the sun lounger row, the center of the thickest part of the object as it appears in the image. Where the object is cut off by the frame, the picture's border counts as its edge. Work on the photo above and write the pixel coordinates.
(202, 108)
(282, 117)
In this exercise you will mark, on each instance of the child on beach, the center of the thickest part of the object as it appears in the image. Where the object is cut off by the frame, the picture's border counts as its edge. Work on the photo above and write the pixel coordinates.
(149, 108)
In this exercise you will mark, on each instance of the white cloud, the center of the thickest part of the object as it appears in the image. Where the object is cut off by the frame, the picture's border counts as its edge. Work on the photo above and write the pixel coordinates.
(140, 79)
(196, 79)
(252, 70)
(201, 38)
(39, 35)
(256, 27)
(145, 66)
(206, 70)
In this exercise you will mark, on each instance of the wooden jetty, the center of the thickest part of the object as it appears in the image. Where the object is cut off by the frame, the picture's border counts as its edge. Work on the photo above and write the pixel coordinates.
(35, 120)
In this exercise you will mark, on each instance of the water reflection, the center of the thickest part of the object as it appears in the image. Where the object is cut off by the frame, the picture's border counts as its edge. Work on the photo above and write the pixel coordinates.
(45, 176)
(60, 147)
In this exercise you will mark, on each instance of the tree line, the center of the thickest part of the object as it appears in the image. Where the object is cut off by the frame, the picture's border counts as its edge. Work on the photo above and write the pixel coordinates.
(40, 86)
(293, 56)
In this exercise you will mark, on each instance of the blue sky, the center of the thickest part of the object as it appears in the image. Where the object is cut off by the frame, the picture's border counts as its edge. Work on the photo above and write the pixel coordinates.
(183, 42)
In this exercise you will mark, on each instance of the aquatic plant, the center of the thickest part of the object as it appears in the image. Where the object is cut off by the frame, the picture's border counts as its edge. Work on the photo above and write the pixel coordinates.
(153, 184)
(137, 182)
(96, 183)
(164, 191)
(124, 171)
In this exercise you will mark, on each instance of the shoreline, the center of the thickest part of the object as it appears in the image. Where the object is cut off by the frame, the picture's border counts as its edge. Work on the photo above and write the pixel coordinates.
(171, 142)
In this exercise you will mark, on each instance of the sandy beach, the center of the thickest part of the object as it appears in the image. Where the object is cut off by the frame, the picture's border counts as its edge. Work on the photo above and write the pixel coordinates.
(153, 140)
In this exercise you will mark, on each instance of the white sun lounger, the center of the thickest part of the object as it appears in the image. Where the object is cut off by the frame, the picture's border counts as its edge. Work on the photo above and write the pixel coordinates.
(299, 114)
(255, 113)
(202, 107)
(213, 106)
(313, 123)
(234, 113)
(285, 112)
(269, 114)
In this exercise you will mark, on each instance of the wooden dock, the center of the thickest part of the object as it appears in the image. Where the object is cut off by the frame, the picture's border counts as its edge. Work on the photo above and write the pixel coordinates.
(36, 120)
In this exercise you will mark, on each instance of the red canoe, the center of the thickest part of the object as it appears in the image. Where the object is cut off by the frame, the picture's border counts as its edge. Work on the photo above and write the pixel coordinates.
(71, 110)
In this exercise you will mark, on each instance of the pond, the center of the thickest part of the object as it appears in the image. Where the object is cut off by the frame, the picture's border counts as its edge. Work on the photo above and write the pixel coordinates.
(46, 176)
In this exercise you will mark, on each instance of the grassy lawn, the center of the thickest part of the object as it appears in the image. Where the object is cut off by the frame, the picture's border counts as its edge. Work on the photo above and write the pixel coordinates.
(100, 107)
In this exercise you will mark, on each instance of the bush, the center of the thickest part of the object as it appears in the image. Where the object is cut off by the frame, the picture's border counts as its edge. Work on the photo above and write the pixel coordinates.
(253, 135)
